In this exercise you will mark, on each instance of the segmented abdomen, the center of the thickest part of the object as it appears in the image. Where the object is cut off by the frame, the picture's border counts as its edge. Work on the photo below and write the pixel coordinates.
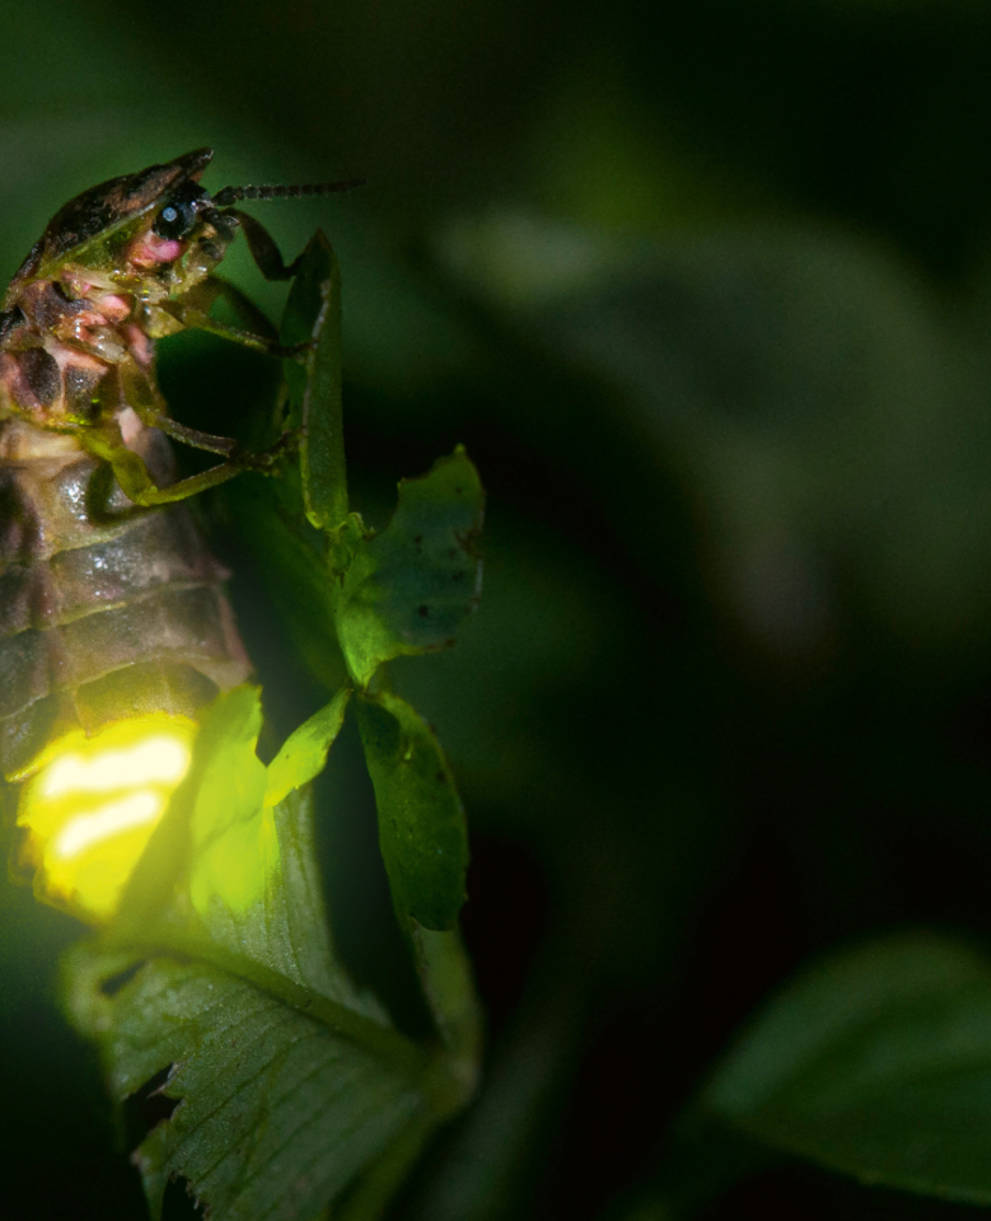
(106, 610)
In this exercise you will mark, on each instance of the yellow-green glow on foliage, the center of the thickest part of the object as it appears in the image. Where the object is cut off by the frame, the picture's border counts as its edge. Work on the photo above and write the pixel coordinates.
(234, 847)
(91, 806)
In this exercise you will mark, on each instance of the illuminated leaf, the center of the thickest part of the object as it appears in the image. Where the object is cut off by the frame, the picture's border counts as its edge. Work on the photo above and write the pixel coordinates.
(244, 866)
(304, 753)
(233, 846)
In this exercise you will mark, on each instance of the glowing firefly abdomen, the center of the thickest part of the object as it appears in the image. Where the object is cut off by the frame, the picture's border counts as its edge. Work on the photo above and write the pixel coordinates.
(114, 631)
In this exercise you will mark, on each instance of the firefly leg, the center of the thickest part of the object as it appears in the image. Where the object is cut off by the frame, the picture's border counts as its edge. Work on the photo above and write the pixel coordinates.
(193, 312)
(137, 483)
(263, 249)
(141, 393)
(216, 288)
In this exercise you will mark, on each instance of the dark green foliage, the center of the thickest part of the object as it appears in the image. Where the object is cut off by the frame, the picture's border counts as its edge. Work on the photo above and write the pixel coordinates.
(876, 1063)
(406, 590)
(421, 821)
(703, 288)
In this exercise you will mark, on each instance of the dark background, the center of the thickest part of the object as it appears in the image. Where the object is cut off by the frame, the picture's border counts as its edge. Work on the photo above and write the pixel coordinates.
(705, 291)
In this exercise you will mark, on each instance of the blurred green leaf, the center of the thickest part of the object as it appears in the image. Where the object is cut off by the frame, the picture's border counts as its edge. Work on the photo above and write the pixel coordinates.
(422, 832)
(407, 589)
(875, 1063)
(823, 409)
(444, 970)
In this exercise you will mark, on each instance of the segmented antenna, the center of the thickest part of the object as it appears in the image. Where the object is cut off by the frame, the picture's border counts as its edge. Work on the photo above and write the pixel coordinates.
(230, 195)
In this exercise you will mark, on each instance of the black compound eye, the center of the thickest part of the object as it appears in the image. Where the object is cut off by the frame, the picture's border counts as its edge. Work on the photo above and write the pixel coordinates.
(177, 217)
(175, 220)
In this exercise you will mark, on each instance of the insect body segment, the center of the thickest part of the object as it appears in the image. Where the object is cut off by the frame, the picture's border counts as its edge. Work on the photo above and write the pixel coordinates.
(112, 610)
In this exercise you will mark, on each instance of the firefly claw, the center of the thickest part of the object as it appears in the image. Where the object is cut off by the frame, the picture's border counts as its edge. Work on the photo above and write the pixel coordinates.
(265, 459)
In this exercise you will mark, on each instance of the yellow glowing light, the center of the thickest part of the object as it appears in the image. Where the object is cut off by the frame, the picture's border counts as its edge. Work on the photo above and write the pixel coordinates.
(92, 805)
(161, 759)
(85, 830)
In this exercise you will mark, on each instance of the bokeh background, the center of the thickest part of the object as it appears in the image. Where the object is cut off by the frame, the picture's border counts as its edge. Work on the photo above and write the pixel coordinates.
(705, 289)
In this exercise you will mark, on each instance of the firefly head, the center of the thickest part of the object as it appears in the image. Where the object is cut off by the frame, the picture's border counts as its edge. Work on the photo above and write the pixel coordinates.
(157, 225)
(193, 223)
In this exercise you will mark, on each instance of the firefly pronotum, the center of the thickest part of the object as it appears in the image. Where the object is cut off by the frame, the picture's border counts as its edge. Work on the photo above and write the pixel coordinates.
(114, 625)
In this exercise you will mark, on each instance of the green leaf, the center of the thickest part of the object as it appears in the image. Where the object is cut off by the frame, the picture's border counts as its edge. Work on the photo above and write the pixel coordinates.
(282, 1101)
(233, 844)
(313, 317)
(407, 589)
(290, 560)
(304, 752)
(876, 1063)
(422, 832)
